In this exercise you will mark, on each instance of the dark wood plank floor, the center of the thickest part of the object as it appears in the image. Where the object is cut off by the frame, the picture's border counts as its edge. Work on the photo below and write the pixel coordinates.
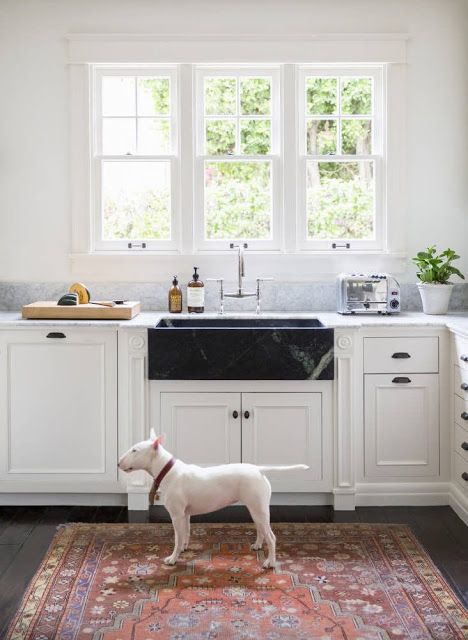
(26, 532)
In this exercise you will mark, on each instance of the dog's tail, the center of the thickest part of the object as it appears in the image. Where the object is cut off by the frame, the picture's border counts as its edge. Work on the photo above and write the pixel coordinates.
(292, 467)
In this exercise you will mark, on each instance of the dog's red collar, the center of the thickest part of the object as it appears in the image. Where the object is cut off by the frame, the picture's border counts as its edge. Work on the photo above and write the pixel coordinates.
(163, 473)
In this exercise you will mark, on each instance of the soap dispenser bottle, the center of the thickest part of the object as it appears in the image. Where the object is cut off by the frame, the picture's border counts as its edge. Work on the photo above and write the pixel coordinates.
(195, 294)
(175, 297)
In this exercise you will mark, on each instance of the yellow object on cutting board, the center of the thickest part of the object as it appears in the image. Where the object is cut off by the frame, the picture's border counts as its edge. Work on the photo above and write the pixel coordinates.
(83, 293)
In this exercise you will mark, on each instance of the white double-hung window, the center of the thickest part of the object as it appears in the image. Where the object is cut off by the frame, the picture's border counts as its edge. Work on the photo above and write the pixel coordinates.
(134, 160)
(237, 164)
(341, 174)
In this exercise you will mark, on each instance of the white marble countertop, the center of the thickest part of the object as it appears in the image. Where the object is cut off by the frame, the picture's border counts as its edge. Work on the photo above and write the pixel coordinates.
(457, 322)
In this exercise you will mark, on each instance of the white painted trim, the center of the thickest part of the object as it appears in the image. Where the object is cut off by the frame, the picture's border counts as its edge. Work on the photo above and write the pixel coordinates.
(67, 499)
(459, 503)
(385, 494)
(204, 48)
(300, 267)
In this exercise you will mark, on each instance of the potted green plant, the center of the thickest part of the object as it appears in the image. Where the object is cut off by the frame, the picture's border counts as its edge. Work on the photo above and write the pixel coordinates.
(434, 272)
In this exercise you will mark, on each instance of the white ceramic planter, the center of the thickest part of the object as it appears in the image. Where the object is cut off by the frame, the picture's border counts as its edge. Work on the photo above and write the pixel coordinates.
(435, 298)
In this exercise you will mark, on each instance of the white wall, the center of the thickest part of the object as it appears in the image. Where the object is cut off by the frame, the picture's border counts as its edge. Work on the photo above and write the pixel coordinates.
(35, 225)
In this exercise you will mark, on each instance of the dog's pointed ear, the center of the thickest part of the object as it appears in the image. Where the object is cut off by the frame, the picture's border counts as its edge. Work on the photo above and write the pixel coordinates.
(152, 434)
(162, 438)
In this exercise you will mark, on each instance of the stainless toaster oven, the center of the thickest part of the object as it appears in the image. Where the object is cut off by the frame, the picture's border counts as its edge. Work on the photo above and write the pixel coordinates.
(362, 293)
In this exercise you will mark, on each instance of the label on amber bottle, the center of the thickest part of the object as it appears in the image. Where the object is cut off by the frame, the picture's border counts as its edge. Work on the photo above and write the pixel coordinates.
(175, 303)
(195, 296)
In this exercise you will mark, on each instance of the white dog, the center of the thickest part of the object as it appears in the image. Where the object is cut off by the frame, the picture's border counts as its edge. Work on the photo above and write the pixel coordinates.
(191, 490)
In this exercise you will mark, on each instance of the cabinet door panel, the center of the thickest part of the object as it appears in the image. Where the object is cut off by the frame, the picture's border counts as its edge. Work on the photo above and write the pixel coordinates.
(401, 425)
(201, 428)
(285, 429)
(59, 408)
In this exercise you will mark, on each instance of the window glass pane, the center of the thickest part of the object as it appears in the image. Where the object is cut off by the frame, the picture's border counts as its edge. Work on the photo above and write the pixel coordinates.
(154, 136)
(118, 136)
(220, 137)
(136, 202)
(220, 96)
(255, 96)
(153, 96)
(340, 200)
(238, 201)
(118, 96)
(255, 136)
(321, 96)
(356, 136)
(321, 137)
(356, 96)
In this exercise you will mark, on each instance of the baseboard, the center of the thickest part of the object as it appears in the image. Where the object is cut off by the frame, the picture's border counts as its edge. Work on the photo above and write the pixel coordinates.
(387, 494)
(63, 499)
(459, 503)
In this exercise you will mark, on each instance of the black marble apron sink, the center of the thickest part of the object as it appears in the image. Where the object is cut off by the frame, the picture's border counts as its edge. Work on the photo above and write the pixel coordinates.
(240, 349)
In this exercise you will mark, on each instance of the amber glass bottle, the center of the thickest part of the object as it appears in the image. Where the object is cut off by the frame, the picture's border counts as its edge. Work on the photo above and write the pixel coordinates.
(175, 297)
(195, 294)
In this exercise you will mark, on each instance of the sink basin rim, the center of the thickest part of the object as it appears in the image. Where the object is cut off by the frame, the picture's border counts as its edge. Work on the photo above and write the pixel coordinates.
(236, 324)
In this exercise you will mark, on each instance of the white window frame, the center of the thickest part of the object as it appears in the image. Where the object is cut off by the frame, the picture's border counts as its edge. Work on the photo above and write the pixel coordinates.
(275, 157)
(290, 262)
(97, 159)
(378, 156)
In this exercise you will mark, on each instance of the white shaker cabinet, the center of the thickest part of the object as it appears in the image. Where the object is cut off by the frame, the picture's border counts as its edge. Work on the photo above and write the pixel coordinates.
(265, 428)
(58, 410)
(287, 429)
(401, 425)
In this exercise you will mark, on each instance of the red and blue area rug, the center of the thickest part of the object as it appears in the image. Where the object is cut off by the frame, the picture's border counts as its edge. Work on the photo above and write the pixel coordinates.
(333, 581)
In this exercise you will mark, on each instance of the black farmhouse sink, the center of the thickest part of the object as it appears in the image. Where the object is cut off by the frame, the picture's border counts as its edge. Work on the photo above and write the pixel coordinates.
(240, 349)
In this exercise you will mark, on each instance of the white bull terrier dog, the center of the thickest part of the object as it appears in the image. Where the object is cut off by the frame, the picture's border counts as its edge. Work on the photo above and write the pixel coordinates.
(191, 490)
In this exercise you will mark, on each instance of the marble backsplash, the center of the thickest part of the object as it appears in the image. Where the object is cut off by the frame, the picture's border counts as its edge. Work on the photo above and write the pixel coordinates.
(276, 296)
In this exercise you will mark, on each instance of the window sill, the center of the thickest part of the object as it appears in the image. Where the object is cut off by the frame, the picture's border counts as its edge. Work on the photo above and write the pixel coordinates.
(292, 267)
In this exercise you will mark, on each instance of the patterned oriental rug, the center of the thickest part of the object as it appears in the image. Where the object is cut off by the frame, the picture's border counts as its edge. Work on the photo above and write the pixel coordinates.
(333, 581)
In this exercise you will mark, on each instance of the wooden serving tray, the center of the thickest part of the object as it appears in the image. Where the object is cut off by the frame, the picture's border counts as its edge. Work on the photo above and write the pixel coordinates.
(46, 309)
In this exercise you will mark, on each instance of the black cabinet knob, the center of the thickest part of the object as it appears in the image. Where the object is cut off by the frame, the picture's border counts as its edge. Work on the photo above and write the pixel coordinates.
(246, 415)
(464, 357)
(56, 334)
(464, 415)
(464, 446)
(465, 476)
(464, 386)
(401, 380)
(235, 414)
(401, 355)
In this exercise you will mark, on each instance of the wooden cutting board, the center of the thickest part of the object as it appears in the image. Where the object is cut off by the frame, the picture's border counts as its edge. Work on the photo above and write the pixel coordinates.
(46, 309)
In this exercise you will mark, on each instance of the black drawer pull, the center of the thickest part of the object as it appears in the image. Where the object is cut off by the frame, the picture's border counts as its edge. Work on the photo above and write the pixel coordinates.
(56, 334)
(465, 476)
(401, 355)
(246, 415)
(401, 380)
(464, 386)
(464, 415)
(464, 358)
(464, 446)
(235, 414)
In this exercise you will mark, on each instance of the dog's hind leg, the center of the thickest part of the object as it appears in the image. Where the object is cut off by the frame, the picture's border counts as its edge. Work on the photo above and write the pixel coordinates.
(178, 523)
(264, 532)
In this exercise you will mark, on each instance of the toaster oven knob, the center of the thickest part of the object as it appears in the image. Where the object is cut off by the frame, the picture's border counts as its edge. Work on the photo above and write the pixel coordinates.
(394, 304)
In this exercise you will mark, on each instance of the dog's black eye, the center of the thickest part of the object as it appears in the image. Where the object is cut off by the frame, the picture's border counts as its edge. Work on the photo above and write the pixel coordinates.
(133, 450)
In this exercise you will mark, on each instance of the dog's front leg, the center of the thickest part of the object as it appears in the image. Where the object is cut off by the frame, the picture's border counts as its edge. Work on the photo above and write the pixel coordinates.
(178, 522)
(187, 532)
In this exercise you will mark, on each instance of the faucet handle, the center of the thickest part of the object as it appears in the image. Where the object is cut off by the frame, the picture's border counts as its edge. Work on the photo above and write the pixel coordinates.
(258, 291)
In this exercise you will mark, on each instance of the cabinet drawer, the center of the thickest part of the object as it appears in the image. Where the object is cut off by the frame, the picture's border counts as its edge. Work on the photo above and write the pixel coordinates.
(401, 355)
(460, 468)
(460, 351)
(460, 382)
(461, 442)
(461, 412)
